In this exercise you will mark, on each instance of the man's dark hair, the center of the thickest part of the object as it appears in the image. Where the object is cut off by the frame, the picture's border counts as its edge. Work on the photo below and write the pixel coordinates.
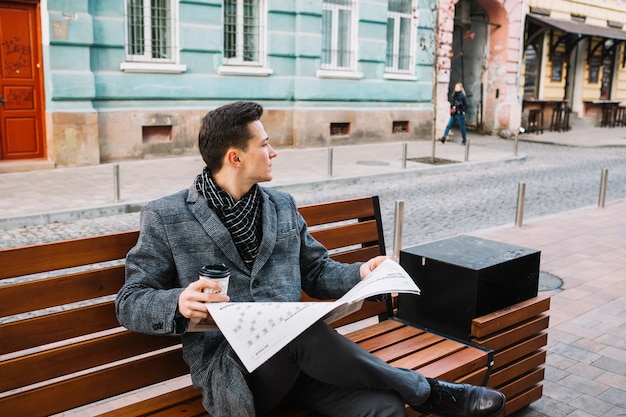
(224, 127)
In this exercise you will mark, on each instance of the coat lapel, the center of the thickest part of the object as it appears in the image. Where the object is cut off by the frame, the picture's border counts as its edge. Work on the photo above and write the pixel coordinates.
(269, 224)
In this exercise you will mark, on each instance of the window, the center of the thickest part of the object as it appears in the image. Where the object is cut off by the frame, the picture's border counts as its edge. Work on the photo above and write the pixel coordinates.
(594, 69)
(400, 37)
(244, 38)
(557, 66)
(150, 36)
(339, 129)
(606, 83)
(339, 38)
(531, 72)
(400, 126)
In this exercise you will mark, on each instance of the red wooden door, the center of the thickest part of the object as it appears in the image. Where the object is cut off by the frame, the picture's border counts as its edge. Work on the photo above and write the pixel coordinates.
(21, 113)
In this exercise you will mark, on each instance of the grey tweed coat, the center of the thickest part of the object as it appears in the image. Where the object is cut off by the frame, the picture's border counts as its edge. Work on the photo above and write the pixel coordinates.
(180, 233)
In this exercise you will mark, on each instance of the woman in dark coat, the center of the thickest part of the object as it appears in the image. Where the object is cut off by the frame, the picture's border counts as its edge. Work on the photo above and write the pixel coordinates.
(457, 113)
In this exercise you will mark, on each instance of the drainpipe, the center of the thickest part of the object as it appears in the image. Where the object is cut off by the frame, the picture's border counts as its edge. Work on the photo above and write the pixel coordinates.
(435, 71)
(520, 97)
(574, 75)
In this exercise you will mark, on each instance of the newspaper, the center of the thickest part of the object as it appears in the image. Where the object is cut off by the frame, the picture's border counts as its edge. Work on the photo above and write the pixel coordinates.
(256, 331)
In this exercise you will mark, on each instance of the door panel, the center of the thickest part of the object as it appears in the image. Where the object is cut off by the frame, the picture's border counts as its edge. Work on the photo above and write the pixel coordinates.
(21, 114)
(25, 129)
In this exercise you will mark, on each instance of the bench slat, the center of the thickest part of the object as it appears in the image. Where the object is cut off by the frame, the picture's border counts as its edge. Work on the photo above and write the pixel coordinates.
(37, 331)
(358, 254)
(365, 333)
(509, 316)
(337, 211)
(415, 345)
(186, 395)
(504, 375)
(455, 366)
(391, 338)
(70, 253)
(347, 235)
(79, 356)
(84, 389)
(519, 350)
(515, 334)
(523, 383)
(430, 351)
(190, 408)
(523, 399)
(65, 289)
(475, 378)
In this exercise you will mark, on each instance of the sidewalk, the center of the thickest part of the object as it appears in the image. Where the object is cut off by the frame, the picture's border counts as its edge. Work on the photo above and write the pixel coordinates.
(586, 361)
(61, 194)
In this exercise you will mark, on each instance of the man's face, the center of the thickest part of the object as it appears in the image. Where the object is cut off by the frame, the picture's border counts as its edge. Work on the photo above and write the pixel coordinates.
(256, 160)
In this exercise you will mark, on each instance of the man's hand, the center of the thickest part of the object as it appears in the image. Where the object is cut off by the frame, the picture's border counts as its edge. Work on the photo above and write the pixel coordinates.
(370, 265)
(191, 300)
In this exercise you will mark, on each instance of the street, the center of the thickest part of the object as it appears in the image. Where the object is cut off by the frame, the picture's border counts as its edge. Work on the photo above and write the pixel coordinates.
(439, 205)
(557, 179)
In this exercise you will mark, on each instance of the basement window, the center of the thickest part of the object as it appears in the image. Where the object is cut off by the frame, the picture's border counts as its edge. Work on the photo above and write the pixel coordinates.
(339, 129)
(156, 134)
(400, 127)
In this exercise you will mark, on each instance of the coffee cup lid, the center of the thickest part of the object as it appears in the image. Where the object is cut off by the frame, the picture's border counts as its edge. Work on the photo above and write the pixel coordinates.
(215, 271)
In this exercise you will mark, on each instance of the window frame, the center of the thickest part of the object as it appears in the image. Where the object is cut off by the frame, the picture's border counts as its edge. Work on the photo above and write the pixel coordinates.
(393, 71)
(238, 65)
(332, 70)
(145, 63)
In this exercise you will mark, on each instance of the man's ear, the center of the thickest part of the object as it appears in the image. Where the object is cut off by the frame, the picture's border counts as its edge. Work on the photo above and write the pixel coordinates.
(232, 157)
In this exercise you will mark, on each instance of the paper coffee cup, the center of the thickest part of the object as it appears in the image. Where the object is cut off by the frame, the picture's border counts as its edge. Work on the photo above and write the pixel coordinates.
(218, 273)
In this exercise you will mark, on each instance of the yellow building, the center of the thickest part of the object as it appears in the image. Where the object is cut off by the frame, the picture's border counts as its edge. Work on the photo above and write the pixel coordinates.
(574, 62)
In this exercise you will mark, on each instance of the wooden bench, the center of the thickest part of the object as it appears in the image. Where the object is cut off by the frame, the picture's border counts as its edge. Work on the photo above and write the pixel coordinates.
(63, 349)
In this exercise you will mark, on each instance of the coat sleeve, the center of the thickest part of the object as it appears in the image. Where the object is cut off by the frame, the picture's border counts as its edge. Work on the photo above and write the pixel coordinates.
(148, 300)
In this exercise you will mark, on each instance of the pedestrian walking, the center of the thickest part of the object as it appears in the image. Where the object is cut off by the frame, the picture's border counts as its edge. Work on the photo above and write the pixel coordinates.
(458, 105)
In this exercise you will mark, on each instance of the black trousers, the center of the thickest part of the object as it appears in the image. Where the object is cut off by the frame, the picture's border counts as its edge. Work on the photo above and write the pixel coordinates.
(328, 373)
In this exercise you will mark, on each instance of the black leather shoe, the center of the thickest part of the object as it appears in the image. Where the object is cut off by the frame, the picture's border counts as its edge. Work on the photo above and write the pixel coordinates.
(442, 139)
(448, 399)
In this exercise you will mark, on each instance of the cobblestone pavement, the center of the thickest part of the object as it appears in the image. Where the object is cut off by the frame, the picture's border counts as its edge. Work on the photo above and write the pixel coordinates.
(557, 179)
(436, 205)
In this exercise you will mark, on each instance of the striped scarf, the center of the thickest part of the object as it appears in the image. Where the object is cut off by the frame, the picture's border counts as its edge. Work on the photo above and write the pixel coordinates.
(241, 218)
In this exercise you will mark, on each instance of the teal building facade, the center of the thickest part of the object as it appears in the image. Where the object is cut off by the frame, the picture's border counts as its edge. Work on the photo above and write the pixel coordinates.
(129, 79)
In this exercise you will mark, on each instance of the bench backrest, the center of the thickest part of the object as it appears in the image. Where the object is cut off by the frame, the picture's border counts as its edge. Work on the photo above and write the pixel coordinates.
(62, 346)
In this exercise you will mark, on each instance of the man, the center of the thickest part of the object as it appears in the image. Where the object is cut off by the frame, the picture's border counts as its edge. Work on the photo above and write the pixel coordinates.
(226, 217)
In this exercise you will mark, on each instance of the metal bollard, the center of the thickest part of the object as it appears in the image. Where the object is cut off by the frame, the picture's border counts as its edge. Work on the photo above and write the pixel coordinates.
(116, 183)
(603, 183)
(519, 132)
(519, 214)
(330, 162)
(467, 144)
(397, 229)
(404, 154)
